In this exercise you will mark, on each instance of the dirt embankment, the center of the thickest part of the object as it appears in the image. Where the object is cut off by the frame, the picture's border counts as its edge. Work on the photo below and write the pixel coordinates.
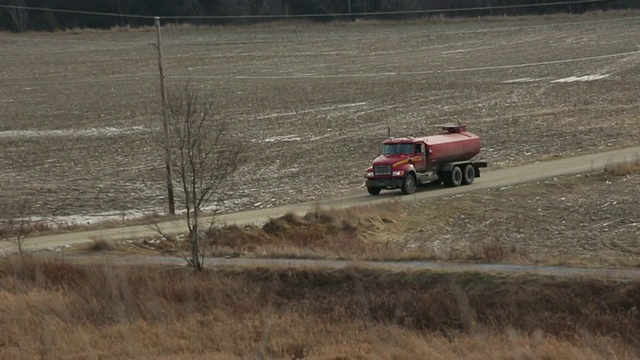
(583, 220)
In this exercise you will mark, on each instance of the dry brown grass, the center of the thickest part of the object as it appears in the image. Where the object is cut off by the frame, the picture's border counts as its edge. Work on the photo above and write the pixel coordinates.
(53, 309)
(30, 228)
(623, 168)
(99, 245)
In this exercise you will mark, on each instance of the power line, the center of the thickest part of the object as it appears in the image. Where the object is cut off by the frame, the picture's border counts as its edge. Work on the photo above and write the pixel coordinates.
(285, 16)
(77, 12)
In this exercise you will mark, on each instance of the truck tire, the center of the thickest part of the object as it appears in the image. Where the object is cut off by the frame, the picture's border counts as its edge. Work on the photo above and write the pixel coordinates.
(373, 190)
(469, 174)
(409, 185)
(454, 177)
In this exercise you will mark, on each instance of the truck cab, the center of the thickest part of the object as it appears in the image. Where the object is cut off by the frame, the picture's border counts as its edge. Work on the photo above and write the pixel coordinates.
(398, 158)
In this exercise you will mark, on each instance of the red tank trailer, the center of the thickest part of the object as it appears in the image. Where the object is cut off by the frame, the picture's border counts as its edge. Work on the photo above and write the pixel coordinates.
(455, 145)
(408, 162)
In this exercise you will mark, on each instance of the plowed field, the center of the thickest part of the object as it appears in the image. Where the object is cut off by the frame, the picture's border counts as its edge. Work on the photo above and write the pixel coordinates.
(80, 109)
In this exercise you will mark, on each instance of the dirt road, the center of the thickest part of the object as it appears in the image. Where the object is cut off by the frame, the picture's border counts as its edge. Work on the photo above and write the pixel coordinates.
(540, 270)
(490, 179)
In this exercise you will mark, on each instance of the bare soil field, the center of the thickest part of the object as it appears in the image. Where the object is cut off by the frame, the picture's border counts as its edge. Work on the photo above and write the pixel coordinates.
(80, 109)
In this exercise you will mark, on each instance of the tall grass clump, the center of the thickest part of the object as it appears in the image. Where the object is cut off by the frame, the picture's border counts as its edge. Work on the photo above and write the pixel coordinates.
(623, 168)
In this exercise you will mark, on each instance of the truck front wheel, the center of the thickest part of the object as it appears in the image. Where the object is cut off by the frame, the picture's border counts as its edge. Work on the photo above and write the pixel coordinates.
(373, 190)
(454, 177)
(409, 185)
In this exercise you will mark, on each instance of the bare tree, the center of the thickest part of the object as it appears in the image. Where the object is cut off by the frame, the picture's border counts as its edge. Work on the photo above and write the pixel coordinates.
(19, 14)
(271, 7)
(193, 7)
(236, 7)
(204, 157)
(15, 225)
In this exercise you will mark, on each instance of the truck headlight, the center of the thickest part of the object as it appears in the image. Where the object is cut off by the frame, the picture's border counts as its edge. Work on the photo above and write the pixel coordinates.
(369, 174)
(398, 173)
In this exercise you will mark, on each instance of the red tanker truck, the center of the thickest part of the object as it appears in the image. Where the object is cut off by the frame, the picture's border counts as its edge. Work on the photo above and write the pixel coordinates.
(408, 162)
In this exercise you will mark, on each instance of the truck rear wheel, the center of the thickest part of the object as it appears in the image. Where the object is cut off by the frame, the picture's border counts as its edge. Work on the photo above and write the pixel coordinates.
(409, 185)
(469, 174)
(454, 177)
(374, 190)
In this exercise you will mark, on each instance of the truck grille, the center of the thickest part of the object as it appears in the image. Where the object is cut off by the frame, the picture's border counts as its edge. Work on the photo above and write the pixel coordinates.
(382, 170)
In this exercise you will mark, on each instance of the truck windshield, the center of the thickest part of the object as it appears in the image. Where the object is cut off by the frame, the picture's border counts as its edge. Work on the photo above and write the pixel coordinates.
(397, 149)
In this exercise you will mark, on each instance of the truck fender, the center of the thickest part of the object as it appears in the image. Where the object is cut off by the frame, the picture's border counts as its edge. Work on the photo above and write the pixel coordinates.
(411, 170)
(447, 167)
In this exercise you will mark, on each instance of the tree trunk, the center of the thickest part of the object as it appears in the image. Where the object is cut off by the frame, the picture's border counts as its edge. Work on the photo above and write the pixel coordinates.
(20, 16)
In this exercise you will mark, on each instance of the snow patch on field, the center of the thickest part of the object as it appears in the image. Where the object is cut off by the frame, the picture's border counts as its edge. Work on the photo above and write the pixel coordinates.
(315, 138)
(562, 80)
(92, 132)
(324, 108)
(285, 138)
(89, 219)
(522, 80)
(291, 138)
(58, 222)
(461, 50)
(581, 78)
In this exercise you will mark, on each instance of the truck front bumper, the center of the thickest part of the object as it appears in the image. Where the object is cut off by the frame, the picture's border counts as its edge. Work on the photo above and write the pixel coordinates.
(385, 183)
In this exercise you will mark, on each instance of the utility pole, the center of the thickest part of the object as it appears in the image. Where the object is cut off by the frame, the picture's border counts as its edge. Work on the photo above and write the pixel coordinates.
(165, 122)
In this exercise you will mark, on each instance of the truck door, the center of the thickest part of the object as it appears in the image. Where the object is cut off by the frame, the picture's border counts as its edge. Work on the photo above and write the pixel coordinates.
(419, 157)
